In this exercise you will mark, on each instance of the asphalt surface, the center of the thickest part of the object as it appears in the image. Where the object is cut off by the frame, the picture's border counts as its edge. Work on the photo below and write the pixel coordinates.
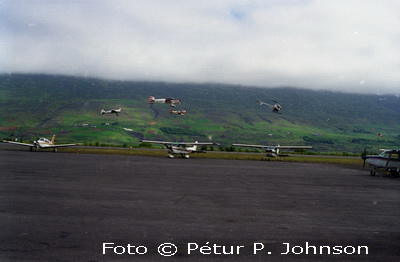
(75, 207)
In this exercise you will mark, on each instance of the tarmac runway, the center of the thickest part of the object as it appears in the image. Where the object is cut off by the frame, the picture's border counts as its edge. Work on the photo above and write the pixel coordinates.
(77, 207)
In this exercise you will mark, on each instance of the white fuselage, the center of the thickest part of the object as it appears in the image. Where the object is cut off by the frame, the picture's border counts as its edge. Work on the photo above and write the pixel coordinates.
(388, 159)
(43, 143)
(112, 111)
(159, 100)
(383, 162)
(181, 150)
(170, 101)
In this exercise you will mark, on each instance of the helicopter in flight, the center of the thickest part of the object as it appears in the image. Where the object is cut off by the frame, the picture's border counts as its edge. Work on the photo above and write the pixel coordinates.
(276, 108)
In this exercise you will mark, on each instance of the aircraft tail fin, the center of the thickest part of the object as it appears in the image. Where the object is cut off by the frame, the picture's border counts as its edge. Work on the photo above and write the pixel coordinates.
(102, 111)
(151, 99)
(195, 146)
(53, 139)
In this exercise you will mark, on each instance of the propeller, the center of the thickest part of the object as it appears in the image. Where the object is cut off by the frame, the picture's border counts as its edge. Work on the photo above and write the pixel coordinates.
(364, 156)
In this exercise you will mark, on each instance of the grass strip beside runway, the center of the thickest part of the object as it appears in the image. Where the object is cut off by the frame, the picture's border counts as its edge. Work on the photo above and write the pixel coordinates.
(336, 160)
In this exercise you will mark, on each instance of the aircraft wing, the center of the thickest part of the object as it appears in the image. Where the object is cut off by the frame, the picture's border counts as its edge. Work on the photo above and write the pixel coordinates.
(17, 143)
(276, 147)
(157, 142)
(246, 145)
(180, 143)
(199, 143)
(293, 147)
(64, 145)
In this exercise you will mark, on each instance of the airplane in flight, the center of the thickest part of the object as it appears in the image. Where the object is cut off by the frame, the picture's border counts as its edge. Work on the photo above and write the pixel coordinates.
(41, 143)
(178, 112)
(112, 111)
(273, 151)
(171, 101)
(389, 160)
(181, 148)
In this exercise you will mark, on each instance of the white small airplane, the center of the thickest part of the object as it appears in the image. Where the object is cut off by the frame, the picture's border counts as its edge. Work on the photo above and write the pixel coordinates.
(178, 112)
(171, 101)
(41, 143)
(273, 151)
(182, 148)
(388, 160)
(112, 111)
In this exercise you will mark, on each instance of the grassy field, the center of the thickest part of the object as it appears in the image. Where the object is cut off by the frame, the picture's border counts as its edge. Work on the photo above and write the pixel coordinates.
(39, 106)
(342, 161)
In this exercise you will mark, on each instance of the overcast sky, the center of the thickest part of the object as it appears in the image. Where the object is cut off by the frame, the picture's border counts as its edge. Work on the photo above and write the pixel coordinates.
(341, 45)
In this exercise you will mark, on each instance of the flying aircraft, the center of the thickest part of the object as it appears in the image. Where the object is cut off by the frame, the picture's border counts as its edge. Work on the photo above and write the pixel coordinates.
(41, 143)
(182, 148)
(178, 112)
(112, 111)
(276, 108)
(273, 151)
(389, 160)
(171, 101)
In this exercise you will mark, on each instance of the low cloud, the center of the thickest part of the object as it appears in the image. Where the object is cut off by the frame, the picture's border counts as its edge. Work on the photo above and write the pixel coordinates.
(333, 45)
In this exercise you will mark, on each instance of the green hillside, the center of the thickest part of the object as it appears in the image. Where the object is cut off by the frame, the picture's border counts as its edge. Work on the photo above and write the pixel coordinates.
(41, 105)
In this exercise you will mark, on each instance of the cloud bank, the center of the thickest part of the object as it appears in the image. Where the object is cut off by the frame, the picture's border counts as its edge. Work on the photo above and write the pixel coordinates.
(351, 46)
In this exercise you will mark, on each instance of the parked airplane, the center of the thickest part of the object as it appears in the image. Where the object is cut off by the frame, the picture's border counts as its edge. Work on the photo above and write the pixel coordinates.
(178, 112)
(389, 160)
(41, 143)
(182, 148)
(171, 101)
(112, 111)
(273, 151)
(276, 108)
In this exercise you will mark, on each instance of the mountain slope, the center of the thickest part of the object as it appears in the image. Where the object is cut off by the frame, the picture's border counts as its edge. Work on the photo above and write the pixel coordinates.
(38, 105)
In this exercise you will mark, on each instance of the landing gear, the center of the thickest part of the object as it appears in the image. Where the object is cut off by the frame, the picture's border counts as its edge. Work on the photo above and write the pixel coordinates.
(394, 172)
(170, 156)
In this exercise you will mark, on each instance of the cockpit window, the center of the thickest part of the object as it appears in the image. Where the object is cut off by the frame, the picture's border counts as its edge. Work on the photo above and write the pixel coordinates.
(392, 154)
(395, 156)
(385, 154)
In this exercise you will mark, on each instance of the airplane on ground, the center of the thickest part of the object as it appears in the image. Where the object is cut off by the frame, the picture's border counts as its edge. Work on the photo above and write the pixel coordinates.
(178, 112)
(388, 160)
(112, 111)
(41, 143)
(171, 101)
(276, 108)
(182, 148)
(273, 151)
